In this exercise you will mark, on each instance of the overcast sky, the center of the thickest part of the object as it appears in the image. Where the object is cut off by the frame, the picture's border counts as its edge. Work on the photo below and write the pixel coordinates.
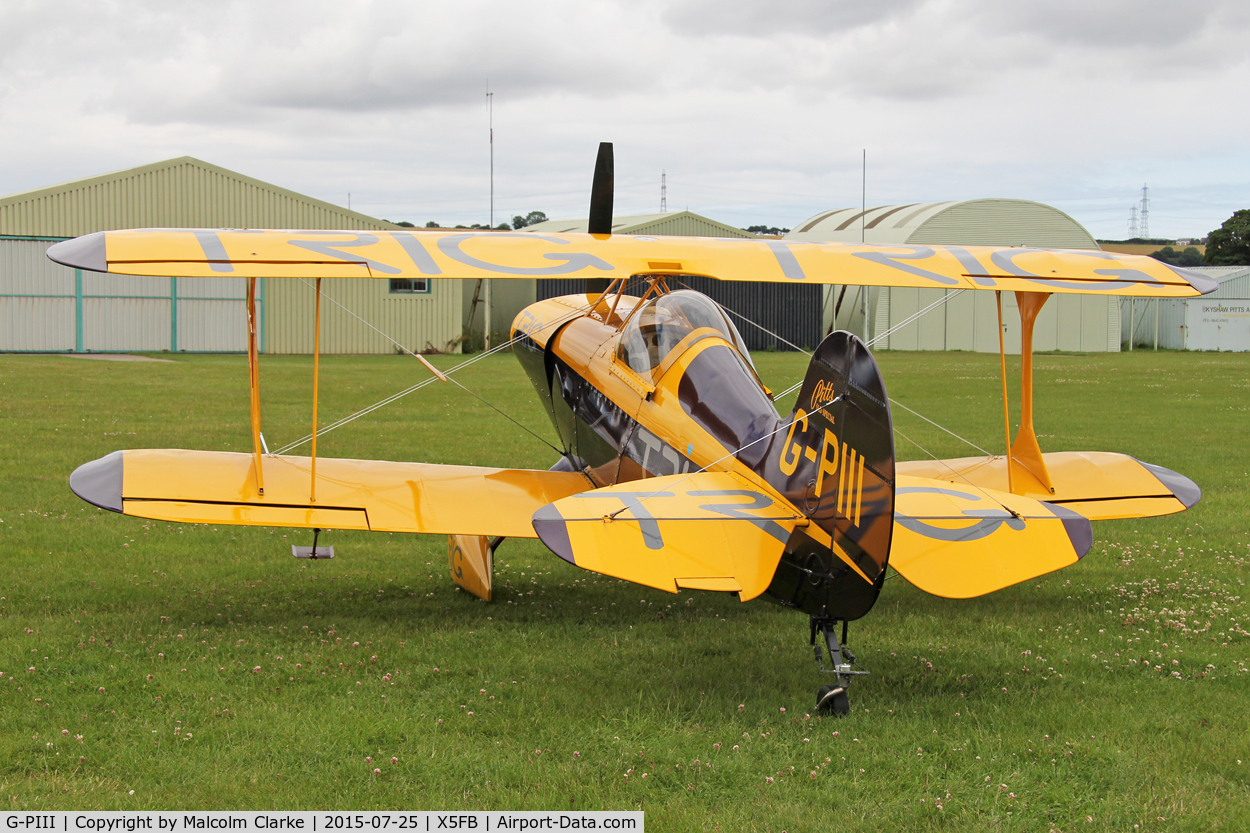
(758, 112)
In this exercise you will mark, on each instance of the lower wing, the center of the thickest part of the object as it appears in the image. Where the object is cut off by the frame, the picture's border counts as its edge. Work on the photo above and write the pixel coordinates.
(221, 488)
(960, 541)
(1097, 484)
(704, 531)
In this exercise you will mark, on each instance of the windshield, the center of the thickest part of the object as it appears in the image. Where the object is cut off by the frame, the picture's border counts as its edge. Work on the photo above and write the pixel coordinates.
(661, 323)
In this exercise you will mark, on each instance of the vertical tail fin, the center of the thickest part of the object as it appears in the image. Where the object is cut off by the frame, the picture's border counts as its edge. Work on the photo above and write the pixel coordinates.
(836, 464)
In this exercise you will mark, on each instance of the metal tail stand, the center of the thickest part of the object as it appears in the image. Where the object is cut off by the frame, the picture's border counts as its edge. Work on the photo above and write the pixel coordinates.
(312, 552)
(832, 699)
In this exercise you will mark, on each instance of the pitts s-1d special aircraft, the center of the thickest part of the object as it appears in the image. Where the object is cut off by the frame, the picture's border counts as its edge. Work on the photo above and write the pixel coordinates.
(677, 472)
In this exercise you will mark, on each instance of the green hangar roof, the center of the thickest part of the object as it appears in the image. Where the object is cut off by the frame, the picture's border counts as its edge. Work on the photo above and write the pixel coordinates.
(177, 193)
(985, 222)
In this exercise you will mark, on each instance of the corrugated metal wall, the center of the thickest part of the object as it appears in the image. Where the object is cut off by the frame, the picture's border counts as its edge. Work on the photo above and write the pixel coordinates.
(508, 298)
(419, 322)
(46, 307)
(212, 314)
(1138, 317)
(1180, 319)
(969, 321)
(113, 325)
(38, 325)
(1234, 284)
(37, 299)
(792, 311)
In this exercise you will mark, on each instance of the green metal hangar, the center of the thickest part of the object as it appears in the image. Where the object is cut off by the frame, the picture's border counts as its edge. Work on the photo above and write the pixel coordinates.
(969, 321)
(46, 307)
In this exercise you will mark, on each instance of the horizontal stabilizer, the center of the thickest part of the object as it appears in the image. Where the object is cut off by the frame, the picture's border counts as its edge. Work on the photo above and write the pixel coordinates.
(704, 531)
(959, 541)
(1097, 484)
(220, 487)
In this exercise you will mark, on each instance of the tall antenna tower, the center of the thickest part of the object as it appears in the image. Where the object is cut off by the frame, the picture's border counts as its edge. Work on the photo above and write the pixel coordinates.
(1132, 222)
(490, 120)
(1145, 211)
(490, 116)
(663, 192)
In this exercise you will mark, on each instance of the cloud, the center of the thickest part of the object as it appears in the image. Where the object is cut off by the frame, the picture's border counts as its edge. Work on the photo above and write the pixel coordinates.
(751, 110)
(701, 18)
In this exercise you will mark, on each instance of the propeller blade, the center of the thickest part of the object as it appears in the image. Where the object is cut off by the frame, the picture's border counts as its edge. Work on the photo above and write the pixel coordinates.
(601, 192)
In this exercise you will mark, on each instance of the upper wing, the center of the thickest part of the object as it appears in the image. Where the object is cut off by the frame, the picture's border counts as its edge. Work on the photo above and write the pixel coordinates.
(220, 487)
(1100, 485)
(705, 531)
(961, 541)
(474, 254)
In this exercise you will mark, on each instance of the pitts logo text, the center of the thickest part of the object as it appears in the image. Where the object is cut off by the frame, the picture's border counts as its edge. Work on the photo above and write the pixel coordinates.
(823, 394)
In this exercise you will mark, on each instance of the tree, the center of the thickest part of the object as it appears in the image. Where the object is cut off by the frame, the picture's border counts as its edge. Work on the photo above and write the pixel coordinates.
(1189, 257)
(773, 230)
(1229, 245)
(432, 224)
(533, 218)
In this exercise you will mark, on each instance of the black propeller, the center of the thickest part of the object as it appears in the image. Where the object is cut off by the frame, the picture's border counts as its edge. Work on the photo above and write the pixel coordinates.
(601, 192)
(600, 221)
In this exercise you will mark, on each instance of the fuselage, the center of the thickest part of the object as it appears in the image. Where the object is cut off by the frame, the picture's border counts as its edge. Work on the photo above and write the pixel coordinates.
(661, 385)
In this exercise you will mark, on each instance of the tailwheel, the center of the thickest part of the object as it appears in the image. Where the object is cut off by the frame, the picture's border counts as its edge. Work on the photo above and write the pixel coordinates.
(833, 700)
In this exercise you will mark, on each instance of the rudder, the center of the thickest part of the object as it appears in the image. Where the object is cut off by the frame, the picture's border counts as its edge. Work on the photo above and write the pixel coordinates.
(836, 464)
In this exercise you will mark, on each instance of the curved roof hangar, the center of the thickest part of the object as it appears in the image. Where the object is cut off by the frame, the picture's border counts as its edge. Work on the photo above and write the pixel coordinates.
(981, 222)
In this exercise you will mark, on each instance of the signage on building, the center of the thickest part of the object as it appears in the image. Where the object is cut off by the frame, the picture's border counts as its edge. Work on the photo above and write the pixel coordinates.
(1218, 324)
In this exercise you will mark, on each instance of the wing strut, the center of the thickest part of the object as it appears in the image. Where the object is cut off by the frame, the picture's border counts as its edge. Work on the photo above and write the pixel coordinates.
(253, 369)
(1025, 461)
(1002, 360)
(312, 488)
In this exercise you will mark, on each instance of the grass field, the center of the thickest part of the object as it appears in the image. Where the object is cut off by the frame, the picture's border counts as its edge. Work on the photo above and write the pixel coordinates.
(205, 668)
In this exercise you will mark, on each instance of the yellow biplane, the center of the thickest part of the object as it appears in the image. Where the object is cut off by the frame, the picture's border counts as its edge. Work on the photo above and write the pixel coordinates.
(676, 470)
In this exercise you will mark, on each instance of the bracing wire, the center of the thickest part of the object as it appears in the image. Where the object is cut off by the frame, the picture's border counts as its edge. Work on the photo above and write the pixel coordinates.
(944, 299)
(505, 415)
(942, 427)
(782, 427)
(577, 313)
(886, 334)
(574, 313)
(960, 475)
(939, 302)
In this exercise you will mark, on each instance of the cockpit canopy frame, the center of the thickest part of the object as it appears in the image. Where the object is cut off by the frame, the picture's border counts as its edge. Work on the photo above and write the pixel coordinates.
(659, 325)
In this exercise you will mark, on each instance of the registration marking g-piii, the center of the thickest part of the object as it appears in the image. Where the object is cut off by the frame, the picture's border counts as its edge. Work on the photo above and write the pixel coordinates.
(847, 464)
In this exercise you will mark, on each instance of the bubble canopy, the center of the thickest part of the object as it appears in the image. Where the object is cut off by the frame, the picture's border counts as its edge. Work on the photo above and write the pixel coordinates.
(660, 324)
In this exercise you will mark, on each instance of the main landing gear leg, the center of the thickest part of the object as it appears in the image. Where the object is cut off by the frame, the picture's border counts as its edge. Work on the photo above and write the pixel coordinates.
(832, 699)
